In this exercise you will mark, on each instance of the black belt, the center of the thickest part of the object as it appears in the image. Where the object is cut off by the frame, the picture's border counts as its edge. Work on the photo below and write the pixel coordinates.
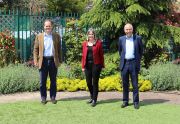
(48, 57)
(128, 60)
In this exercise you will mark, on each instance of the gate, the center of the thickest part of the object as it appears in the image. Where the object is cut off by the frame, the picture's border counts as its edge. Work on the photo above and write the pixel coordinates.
(24, 26)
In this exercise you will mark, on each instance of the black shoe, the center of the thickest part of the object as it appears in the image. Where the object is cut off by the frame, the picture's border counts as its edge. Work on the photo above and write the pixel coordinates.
(125, 104)
(93, 104)
(43, 102)
(53, 101)
(136, 106)
(89, 101)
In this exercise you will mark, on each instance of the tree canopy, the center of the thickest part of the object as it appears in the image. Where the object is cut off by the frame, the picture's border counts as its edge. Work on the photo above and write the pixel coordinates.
(75, 6)
(110, 16)
(31, 5)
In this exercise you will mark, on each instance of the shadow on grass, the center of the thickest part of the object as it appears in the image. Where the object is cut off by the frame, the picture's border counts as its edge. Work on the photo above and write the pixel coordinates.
(109, 101)
(87, 98)
(143, 102)
(146, 102)
(74, 98)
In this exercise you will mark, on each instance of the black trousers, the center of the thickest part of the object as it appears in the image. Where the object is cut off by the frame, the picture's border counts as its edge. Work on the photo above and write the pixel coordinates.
(92, 73)
(130, 70)
(48, 67)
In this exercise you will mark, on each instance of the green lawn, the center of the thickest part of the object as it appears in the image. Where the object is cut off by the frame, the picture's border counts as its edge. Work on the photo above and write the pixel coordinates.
(78, 112)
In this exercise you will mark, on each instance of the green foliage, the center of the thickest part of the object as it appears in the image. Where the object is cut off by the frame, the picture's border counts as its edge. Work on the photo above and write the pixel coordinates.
(135, 9)
(109, 83)
(154, 34)
(164, 76)
(110, 16)
(64, 71)
(18, 78)
(74, 6)
(72, 71)
(160, 58)
(7, 49)
(154, 55)
(73, 46)
(25, 4)
(175, 31)
(74, 38)
(156, 41)
(76, 71)
(111, 64)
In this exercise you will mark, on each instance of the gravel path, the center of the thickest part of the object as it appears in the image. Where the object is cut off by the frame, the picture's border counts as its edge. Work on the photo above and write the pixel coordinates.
(171, 97)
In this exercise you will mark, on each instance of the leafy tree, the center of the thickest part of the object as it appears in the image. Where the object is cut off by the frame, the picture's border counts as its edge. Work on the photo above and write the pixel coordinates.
(7, 3)
(75, 6)
(111, 15)
(31, 5)
(73, 38)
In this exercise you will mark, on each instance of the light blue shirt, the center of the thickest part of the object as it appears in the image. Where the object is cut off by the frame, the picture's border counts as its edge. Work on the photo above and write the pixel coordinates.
(48, 45)
(129, 48)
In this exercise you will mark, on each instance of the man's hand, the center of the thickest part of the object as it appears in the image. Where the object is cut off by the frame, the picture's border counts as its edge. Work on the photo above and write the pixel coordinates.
(83, 69)
(36, 64)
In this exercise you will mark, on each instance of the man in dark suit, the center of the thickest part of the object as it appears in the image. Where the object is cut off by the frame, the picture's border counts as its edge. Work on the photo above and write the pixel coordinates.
(47, 57)
(130, 51)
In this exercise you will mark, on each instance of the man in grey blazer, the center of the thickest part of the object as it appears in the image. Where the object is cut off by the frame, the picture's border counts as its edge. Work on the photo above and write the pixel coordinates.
(130, 51)
(47, 56)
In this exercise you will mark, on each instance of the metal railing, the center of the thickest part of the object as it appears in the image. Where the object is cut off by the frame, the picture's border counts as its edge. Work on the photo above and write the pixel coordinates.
(24, 26)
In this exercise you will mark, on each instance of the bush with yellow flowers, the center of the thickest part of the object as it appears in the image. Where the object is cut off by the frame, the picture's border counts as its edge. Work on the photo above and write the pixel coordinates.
(110, 83)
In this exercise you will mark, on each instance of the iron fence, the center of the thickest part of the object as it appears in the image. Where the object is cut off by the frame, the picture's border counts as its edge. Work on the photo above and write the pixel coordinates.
(24, 26)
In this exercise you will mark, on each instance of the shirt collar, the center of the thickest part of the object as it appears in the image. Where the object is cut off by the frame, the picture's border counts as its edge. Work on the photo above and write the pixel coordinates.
(129, 37)
(47, 34)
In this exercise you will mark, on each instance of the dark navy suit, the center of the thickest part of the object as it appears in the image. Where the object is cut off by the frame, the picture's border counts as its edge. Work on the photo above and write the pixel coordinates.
(130, 67)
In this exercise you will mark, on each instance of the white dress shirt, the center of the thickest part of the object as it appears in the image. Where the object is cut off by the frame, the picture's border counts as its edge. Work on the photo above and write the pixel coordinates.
(48, 45)
(129, 48)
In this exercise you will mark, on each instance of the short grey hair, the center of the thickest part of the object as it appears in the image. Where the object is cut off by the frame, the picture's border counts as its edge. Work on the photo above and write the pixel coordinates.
(128, 24)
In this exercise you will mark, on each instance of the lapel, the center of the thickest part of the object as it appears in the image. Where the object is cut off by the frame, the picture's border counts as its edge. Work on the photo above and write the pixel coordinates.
(54, 40)
(41, 39)
(86, 46)
(124, 44)
(135, 42)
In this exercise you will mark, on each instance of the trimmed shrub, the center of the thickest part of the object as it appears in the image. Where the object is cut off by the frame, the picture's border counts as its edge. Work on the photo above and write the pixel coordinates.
(18, 78)
(110, 83)
(72, 71)
(74, 38)
(111, 64)
(164, 76)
